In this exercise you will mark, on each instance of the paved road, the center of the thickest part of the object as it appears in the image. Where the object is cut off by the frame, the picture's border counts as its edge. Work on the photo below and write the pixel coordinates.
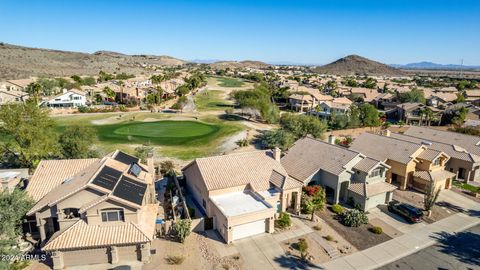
(461, 251)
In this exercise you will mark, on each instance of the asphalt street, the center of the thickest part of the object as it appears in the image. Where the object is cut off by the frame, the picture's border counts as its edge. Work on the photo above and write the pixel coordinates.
(458, 251)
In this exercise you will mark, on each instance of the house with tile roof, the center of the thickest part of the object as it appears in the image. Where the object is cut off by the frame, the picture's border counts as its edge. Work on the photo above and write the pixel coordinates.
(12, 96)
(463, 149)
(242, 193)
(94, 211)
(412, 164)
(339, 106)
(345, 174)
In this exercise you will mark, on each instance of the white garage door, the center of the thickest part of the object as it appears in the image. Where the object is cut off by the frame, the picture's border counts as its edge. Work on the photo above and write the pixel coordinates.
(248, 229)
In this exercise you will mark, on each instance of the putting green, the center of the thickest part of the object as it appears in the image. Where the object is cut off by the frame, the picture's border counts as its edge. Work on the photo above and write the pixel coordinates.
(161, 132)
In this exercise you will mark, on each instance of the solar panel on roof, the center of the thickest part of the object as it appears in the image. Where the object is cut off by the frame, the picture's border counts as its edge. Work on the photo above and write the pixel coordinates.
(107, 178)
(130, 190)
(125, 158)
(135, 169)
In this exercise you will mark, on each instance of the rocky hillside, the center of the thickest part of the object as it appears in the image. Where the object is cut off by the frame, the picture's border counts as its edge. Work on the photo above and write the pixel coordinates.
(241, 64)
(354, 64)
(18, 62)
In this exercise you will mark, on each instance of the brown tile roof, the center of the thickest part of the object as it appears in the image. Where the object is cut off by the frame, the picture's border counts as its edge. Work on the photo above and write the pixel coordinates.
(368, 190)
(83, 179)
(367, 164)
(449, 149)
(254, 168)
(82, 235)
(429, 154)
(383, 148)
(307, 156)
(433, 176)
(51, 173)
(468, 142)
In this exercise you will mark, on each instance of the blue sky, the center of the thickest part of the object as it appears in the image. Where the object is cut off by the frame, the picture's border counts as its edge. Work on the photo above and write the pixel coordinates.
(302, 31)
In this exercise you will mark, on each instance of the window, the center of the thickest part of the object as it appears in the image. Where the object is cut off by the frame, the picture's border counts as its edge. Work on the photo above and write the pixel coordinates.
(204, 204)
(376, 172)
(112, 215)
(436, 162)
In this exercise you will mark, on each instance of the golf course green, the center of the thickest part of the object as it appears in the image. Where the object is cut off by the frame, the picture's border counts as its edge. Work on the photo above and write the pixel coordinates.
(166, 132)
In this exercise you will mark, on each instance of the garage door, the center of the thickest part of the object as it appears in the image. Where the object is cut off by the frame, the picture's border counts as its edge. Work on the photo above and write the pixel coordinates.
(248, 229)
(85, 256)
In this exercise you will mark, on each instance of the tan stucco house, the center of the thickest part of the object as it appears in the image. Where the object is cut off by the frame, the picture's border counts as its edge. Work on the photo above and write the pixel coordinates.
(345, 174)
(413, 165)
(242, 193)
(94, 211)
(464, 150)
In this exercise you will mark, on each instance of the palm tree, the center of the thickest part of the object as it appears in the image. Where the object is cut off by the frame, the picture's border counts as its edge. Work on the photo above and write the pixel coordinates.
(34, 89)
(316, 202)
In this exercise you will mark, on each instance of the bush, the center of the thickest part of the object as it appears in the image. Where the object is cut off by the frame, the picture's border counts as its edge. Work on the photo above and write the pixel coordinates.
(354, 218)
(329, 238)
(317, 227)
(337, 209)
(175, 260)
(377, 230)
(302, 247)
(182, 229)
(284, 221)
(243, 142)
(311, 190)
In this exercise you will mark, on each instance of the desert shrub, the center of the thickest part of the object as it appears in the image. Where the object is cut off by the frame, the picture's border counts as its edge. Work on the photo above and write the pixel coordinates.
(337, 209)
(243, 142)
(83, 109)
(377, 230)
(302, 247)
(329, 238)
(182, 229)
(354, 218)
(284, 221)
(317, 227)
(175, 260)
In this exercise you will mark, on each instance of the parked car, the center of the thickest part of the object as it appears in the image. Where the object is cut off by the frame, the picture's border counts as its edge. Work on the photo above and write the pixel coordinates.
(407, 211)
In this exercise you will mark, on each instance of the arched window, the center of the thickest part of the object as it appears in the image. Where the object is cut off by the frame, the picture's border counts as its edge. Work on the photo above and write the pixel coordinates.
(112, 214)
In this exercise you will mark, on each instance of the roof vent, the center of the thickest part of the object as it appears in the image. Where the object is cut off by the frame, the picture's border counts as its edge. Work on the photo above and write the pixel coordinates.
(428, 143)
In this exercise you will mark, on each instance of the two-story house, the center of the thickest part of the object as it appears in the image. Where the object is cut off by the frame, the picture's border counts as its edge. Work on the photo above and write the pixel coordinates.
(94, 211)
(345, 174)
(411, 164)
(68, 99)
(338, 106)
(241, 194)
(464, 150)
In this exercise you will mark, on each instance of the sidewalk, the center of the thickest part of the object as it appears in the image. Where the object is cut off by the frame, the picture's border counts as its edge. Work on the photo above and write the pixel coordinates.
(404, 245)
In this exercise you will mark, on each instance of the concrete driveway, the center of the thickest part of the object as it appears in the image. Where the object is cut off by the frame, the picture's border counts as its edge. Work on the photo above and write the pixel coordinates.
(259, 252)
(394, 220)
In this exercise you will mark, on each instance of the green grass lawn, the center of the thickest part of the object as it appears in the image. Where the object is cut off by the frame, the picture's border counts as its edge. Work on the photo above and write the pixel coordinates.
(172, 138)
(466, 186)
(229, 82)
(211, 100)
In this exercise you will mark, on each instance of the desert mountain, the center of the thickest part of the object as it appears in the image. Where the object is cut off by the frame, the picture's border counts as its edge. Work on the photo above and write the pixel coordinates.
(241, 64)
(22, 62)
(354, 64)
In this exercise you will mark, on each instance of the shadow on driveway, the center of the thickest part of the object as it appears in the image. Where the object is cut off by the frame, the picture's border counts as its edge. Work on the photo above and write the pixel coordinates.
(294, 262)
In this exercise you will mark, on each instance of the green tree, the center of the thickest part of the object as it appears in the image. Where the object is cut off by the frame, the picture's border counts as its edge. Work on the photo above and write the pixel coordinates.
(415, 95)
(303, 248)
(35, 90)
(182, 229)
(302, 125)
(370, 83)
(369, 115)
(143, 151)
(76, 142)
(277, 138)
(109, 92)
(30, 134)
(430, 198)
(13, 207)
(460, 98)
(315, 202)
(354, 120)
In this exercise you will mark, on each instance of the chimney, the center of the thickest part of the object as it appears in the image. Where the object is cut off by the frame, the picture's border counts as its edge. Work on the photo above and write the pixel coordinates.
(388, 133)
(331, 139)
(277, 153)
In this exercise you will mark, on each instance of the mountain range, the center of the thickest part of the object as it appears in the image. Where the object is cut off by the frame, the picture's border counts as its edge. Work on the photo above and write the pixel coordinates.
(431, 65)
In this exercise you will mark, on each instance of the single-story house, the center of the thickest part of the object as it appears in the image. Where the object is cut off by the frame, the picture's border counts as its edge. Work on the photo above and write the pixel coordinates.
(242, 193)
